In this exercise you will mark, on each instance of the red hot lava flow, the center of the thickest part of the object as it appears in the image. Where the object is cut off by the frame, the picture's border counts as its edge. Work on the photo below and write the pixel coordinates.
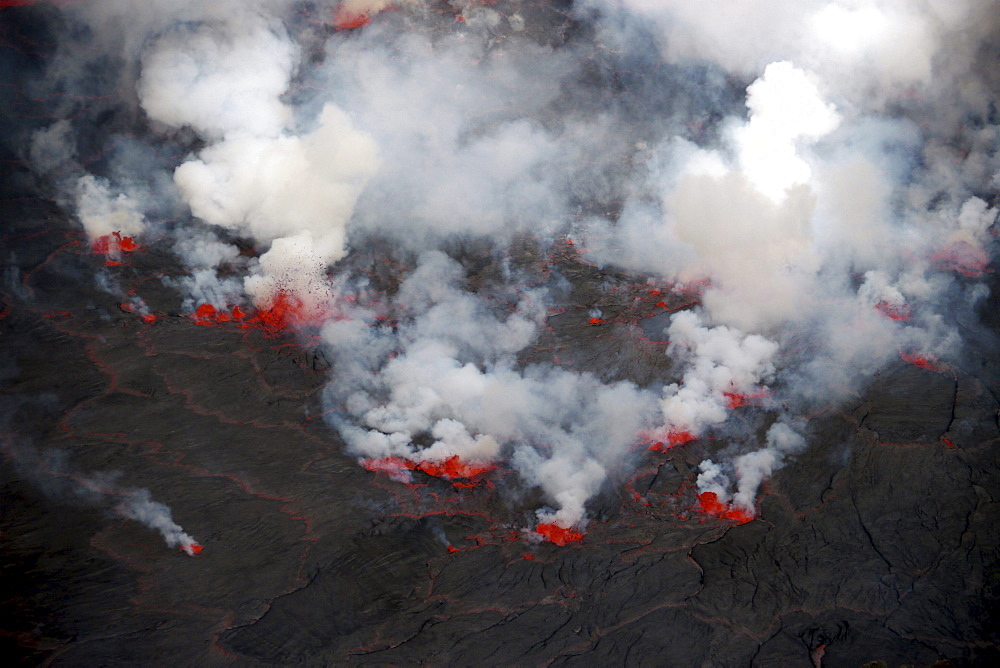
(674, 438)
(922, 361)
(345, 18)
(191, 549)
(738, 399)
(453, 468)
(963, 258)
(284, 311)
(709, 504)
(112, 246)
(558, 535)
(899, 313)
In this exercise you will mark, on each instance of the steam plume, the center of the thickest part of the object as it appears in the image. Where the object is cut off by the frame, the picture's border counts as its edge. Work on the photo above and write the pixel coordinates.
(826, 170)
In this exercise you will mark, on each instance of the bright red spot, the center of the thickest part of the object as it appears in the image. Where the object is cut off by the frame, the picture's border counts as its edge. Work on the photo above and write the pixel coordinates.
(673, 438)
(149, 318)
(947, 442)
(192, 549)
(710, 505)
(596, 321)
(453, 549)
(557, 534)
(922, 361)
(661, 304)
(898, 313)
(961, 257)
(205, 315)
(284, 310)
(738, 399)
(346, 19)
(127, 244)
(529, 557)
(451, 468)
(113, 243)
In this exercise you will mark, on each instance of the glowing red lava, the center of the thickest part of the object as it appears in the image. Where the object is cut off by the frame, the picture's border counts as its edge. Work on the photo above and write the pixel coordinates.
(283, 312)
(674, 438)
(191, 549)
(113, 243)
(961, 257)
(922, 361)
(596, 321)
(558, 535)
(893, 312)
(710, 505)
(449, 469)
(345, 19)
(738, 399)
(112, 246)
(207, 315)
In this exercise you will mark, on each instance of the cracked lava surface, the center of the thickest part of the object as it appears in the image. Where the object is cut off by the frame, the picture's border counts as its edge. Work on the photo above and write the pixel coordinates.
(876, 541)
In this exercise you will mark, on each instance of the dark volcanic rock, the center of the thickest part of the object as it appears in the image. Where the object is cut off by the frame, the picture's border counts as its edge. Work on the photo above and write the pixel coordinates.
(877, 543)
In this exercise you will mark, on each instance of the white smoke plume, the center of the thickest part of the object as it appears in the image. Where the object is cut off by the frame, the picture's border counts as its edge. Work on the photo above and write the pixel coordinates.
(52, 472)
(139, 506)
(293, 191)
(448, 377)
(103, 212)
(830, 206)
(718, 360)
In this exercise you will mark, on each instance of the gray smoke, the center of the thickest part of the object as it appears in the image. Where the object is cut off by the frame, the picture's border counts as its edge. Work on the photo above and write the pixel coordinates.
(826, 168)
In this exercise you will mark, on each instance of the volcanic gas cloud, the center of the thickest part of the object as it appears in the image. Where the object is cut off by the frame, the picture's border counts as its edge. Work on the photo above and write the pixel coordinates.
(398, 183)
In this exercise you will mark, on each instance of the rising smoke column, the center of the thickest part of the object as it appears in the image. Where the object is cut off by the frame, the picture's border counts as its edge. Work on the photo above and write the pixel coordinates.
(50, 471)
(831, 175)
(829, 214)
(444, 383)
(295, 191)
(138, 505)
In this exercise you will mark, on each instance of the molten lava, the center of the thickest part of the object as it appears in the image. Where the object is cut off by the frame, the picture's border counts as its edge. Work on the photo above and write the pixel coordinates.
(207, 315)
(453, 467)
(899, 313)
(674, 438)
(558, 535)
(283, 311)
(922, 361)
(450, 469)
(347, 19)
(961, 257)
(191, 549)
(112, 246)
(738, 399)
(710, 505)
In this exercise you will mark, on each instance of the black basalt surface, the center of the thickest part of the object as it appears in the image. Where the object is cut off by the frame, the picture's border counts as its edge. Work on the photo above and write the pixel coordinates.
(878, 543)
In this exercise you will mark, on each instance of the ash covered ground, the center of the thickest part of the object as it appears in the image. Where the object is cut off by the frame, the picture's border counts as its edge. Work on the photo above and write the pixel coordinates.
(505, 334)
